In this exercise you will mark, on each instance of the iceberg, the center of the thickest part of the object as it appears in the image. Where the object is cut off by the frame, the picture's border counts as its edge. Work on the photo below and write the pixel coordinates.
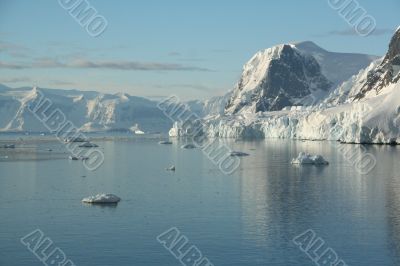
(73, 158)
(88, 145)
(188, 146)
(171, 168)
(77, 139)
(139, 132)
(165, 142)
(102, 199)
(305, 158)
(136, 130)
(8, 146)
(238, 154)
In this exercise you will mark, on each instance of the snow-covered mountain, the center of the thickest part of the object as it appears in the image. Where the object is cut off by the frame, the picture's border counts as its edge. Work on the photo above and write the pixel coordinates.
(275, 78)
(292, 74)
(363, 109)
(385, 74)
(337, 67)
(211, 107)
(87, 110)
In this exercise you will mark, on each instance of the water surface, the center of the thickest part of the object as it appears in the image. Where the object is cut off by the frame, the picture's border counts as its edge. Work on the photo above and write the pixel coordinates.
(248, 218)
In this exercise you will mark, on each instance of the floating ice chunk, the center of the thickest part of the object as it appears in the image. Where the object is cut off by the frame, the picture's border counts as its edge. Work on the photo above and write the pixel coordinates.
(305, 158)
(238, 154)
(139, 132)
(73, 158)
(88, 145)
(188, 146)
(8, 146)
(77, 139)
(171, 168)
(102, 199)
(165, 142)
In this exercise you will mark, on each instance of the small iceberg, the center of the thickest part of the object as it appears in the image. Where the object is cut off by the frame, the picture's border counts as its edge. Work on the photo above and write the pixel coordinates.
(139, 132)
(165, 142)
(102, 199)
(238, 154)
(8, 146)
(188, 146)
(88, 145)
(305, 158)
(77, 139)
(73, 158)
(171, 168)
(136, 130)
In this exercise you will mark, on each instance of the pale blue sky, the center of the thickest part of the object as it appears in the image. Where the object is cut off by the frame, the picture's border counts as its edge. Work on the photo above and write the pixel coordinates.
(194, 49)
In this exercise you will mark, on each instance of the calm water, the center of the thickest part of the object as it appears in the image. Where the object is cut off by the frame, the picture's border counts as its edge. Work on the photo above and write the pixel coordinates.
(248, 218)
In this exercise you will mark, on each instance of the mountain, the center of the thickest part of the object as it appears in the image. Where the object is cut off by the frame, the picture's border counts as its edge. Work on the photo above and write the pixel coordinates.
(87, 110)
(210, 107)
(372, 81)
(275, 78)
(292, 74)
(337, 67)
(387, 73)
(363, 109)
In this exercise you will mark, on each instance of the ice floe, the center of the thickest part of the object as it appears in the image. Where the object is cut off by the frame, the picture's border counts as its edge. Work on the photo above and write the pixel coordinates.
(165, 142)
(171, 168)
(88, 145)
(8, 146)
(102, 199)
(238, 154)
(188, 146)
(305, 158)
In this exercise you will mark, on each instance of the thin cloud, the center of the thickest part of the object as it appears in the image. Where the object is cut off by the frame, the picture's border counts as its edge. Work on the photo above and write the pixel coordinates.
(15, 80)
(352, 32)
(6, 65)
(116, 65)
(14, 50)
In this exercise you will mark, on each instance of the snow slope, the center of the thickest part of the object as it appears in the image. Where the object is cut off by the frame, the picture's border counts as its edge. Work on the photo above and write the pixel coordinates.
(337, 67)
(89, 111)
(363, 109)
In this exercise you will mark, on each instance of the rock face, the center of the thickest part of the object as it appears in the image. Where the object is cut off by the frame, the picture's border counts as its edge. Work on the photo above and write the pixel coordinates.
(388, 72)
(275, 78)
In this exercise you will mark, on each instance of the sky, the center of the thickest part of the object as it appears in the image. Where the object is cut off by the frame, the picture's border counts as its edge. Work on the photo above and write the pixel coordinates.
(156, 48)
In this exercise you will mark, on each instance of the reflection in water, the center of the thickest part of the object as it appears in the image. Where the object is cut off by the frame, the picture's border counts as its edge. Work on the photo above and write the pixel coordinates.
(393, 203)
(276, 196)
(248, 218)
(280, 200)
(100, 205)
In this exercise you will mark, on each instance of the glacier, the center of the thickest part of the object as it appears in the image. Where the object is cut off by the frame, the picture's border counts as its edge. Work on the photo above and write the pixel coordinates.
(88, 110)
(365, 108)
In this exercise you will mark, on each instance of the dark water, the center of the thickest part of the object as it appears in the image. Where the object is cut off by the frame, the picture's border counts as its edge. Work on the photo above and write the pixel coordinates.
(249, 218)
